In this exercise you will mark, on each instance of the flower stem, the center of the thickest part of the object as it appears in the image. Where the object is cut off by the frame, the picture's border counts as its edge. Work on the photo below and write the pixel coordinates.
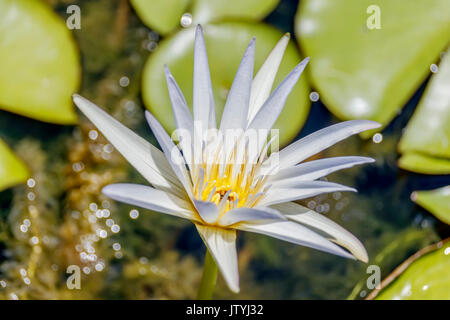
(209, 277)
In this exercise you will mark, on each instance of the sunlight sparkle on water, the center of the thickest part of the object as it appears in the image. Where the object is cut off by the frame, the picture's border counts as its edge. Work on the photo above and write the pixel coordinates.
(186, 20)
(377, 138)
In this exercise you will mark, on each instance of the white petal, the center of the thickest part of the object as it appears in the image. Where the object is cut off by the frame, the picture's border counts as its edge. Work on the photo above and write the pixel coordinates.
(297, 190)
(295, 233)
(322, 224)
(249, 214)
(322, 139)
(171, 152)
(181, 113)
(222, 245)
(142, 155)
(236, 108)
(316, 169)
(263, 81)
(270, 110)
(150, 198)
(203, 95)
(207, 210)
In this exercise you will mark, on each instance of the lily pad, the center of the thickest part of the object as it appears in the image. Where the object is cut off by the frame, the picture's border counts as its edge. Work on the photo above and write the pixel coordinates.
(204, 11)
(436, 201)
(428, 131)
(39, 62)
(397, 247)
(425, 164)
(426, 278)
(226, 43)
(12, 170)
(161, 15)
(364, 72)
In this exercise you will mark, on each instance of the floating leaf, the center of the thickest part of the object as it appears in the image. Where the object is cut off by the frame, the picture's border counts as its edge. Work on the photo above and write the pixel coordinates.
(226, 44)
(161, 15)
(364, 73)
(428, 131)
(436, 201)
(204, 11)
(424, 276)
(12, 169)
(398, 247)
(39, 64)
(421, 163)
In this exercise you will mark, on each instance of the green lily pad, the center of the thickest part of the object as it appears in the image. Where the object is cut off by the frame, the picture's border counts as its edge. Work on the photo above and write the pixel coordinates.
(436, 201)
(425, 164)
(161, 15)
(12, 170)
(397, 247)
(428, 131)
(364, 73)
(39, 62)
(205, 11)
(426, 278)
(226, 43)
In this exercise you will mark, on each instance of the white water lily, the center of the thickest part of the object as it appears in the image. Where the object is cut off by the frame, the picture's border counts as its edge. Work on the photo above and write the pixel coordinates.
(221, 197)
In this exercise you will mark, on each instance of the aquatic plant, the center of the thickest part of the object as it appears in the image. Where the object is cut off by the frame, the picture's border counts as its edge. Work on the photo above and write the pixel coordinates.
(224, 187)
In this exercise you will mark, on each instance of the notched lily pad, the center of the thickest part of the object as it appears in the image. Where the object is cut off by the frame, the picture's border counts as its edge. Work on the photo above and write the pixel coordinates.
(226, 43)
(39, 62)
(436, 201)
(161, 15)
(424, 276)
(365, 73)
(12, 170)
(422, 163)
(428, 131)
(205, 11)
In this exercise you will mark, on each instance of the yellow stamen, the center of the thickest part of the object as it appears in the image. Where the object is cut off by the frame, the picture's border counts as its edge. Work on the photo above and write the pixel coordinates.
(236, 179)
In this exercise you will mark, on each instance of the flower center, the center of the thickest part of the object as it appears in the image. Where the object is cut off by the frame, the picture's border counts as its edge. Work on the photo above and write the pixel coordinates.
(237, 182)
(221, 192)
(225, 193)
(230, 191)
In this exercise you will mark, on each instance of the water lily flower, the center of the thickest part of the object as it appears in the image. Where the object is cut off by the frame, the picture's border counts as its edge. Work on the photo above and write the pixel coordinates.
(223, 190)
